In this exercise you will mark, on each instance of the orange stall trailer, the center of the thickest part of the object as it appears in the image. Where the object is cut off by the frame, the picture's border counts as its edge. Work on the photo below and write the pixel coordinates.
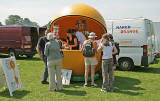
(67, 19)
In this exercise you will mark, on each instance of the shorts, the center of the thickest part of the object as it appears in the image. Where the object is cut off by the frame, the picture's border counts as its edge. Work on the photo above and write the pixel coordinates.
(91, 61)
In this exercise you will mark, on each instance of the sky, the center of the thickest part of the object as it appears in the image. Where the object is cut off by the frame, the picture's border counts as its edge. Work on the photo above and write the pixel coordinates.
(42, 11)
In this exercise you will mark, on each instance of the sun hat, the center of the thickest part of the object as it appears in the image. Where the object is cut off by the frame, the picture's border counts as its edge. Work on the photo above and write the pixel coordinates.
(92, 35)
(50, 36)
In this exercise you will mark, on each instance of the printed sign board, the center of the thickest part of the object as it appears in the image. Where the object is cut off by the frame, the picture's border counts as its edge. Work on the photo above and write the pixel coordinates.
(66, 76)
(12, 76)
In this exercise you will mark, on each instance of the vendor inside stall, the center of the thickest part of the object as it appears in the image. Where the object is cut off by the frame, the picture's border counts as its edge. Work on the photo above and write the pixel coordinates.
(72, 40)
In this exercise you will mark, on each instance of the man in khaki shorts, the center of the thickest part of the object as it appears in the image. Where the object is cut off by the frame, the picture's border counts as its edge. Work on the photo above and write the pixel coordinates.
(90, 57)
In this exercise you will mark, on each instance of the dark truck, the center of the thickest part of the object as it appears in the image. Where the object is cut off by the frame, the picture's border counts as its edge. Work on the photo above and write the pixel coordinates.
(19, 40)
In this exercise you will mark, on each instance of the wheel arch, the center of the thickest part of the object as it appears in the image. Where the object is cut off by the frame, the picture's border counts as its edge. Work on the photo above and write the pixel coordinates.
(121, 58)
(130, 61)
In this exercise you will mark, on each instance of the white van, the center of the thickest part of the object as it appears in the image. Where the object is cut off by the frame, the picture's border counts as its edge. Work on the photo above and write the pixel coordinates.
(156, 27)
(135, 40)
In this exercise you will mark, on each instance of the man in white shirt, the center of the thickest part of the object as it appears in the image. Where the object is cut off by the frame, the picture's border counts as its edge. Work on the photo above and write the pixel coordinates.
(80, 36)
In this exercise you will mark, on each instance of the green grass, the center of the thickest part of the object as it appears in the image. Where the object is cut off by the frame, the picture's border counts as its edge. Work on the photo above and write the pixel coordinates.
(142, 84)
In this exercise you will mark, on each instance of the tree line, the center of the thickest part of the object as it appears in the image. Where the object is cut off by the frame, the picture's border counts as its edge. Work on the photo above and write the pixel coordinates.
(17, 20)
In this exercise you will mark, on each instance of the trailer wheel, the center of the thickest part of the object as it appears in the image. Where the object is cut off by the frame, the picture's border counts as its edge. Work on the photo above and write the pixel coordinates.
(126, 64)
(12, 53)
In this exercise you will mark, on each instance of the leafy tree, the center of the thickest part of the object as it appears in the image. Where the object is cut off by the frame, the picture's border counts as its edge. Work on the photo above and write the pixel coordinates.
(35, 24)
(48, 25)
(14, 20)
(26, 21)
(17, 20)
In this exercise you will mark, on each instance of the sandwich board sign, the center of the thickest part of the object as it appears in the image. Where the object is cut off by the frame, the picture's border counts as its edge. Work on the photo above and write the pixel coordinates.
(66, 76)
(11, 73)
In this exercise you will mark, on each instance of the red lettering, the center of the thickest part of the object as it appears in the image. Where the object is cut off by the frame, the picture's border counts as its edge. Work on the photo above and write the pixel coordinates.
(133, 31)
(121, 31)
(128, 31)
(125, 31)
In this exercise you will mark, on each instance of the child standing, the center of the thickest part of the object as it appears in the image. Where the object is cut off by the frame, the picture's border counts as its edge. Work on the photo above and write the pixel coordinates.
(107, 62)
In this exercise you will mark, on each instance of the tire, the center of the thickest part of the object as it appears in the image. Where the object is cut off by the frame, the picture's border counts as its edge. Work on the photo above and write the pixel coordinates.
(126, 64)
(12, 53)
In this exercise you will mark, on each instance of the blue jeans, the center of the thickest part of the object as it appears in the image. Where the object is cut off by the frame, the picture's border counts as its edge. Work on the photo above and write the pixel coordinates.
(45, 74)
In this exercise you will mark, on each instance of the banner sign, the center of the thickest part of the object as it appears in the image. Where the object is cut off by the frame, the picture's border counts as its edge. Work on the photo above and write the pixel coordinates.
(12, 76)
(66, 76)
(127, 29)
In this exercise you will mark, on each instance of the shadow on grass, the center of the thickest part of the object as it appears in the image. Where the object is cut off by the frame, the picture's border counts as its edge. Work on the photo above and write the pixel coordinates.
(155, 70)
(156, 61)
(22, 58)
(74, 85)
(74, 92)
(123, 85)
(16, 94)
(28, 59)
(127, 85)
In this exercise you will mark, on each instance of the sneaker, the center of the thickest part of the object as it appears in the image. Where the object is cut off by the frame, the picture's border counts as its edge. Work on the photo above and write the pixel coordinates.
(94, 85)
(85, 85)
(44, 82)
(103, 90)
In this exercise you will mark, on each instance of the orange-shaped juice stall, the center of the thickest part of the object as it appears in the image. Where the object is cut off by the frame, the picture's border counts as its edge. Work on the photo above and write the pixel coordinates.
(67, 18)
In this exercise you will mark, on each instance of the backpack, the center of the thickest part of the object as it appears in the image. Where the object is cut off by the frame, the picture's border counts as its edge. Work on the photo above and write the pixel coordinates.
(117, 46)
(88, 49)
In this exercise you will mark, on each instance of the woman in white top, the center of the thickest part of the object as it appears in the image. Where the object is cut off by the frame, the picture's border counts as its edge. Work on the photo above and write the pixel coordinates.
(106, 47)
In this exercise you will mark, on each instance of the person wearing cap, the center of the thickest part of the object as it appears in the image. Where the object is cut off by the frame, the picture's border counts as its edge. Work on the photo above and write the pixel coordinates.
(54, 62)
(40, 50)
(90, 61)
(72, 40)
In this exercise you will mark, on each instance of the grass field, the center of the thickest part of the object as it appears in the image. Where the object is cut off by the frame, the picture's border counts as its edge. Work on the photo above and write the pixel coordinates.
(142, 84)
